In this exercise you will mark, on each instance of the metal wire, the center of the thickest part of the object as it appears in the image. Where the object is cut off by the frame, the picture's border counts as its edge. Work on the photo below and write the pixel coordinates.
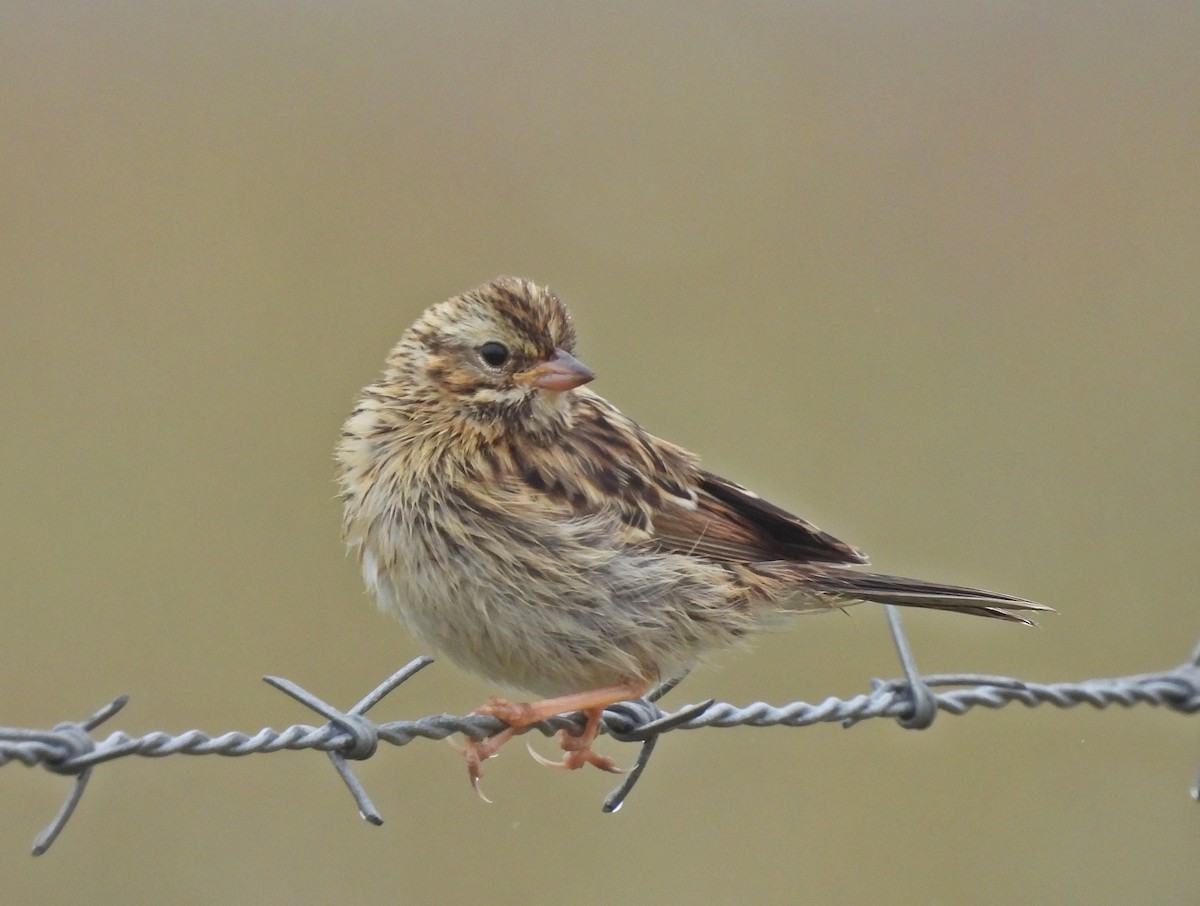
(69, 748)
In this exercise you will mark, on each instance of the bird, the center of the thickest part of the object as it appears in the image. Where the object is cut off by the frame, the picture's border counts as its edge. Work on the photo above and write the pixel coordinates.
(521, 525)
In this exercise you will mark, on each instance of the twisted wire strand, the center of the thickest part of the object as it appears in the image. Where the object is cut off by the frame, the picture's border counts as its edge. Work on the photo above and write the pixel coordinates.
(914, 701)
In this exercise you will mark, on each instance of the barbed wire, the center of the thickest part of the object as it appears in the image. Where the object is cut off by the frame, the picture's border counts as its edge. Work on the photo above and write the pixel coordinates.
(68, 748)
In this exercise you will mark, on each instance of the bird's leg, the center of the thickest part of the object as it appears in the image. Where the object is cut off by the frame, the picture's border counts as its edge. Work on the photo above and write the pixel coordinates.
(578, 749)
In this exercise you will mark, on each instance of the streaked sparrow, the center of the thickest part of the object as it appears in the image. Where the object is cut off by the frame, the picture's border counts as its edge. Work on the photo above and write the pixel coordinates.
(521, 525)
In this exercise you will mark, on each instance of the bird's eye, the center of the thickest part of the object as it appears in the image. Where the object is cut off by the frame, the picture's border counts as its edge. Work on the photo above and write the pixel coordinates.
(494, 354)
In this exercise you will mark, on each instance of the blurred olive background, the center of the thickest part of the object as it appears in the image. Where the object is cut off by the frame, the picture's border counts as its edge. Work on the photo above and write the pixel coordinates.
(926, 273)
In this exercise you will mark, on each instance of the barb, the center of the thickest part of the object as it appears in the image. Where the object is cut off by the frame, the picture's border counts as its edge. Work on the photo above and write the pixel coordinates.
(912, 702)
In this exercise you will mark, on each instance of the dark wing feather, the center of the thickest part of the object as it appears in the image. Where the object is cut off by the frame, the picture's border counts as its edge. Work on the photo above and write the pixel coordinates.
(609, 463)
(730, 522)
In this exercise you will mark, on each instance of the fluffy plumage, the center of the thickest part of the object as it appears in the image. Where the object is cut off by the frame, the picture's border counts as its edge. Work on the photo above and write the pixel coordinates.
(521, 525)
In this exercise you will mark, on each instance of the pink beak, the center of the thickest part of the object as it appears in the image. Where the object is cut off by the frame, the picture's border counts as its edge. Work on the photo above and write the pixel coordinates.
(563, 372)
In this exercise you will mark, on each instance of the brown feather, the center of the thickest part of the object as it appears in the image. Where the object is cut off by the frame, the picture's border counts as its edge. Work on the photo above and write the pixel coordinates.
(650, 483)
(723, 530)
(905, 592)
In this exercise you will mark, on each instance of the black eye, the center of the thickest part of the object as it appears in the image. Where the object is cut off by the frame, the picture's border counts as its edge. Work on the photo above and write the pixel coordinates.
(494, 354)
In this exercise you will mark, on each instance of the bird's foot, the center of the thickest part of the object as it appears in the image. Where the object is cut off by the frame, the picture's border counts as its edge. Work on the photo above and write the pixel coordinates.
(477, 751)
(577, 750)
(576, 753)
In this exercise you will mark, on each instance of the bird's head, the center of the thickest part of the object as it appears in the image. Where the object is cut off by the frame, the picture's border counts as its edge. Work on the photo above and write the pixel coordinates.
(498, 358)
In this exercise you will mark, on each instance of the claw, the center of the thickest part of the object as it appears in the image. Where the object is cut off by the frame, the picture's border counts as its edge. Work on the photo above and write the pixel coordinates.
(476, 753)
(544, 761)
(478, 789)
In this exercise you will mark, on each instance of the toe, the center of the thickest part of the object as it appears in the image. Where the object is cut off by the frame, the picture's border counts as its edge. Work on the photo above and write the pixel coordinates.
(578, 758)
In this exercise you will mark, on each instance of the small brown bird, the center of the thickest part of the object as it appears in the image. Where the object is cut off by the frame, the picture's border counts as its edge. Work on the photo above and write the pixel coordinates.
(521, 525)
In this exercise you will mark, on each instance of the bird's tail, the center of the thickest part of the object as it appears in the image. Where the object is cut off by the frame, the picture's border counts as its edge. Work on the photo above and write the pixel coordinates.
(884, 589)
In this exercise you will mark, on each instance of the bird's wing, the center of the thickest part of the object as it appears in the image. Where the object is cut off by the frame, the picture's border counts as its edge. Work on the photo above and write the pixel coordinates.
(733, 523)
(609, 463)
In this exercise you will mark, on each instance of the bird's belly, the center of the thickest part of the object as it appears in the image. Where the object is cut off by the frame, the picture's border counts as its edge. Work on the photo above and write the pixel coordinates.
(516, 638)
(548, 627)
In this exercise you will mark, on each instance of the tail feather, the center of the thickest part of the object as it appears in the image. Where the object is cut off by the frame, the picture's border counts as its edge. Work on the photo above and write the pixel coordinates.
(903, 592)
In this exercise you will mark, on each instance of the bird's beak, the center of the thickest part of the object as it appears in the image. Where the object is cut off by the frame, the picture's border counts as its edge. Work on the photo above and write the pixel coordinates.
(562, 372)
